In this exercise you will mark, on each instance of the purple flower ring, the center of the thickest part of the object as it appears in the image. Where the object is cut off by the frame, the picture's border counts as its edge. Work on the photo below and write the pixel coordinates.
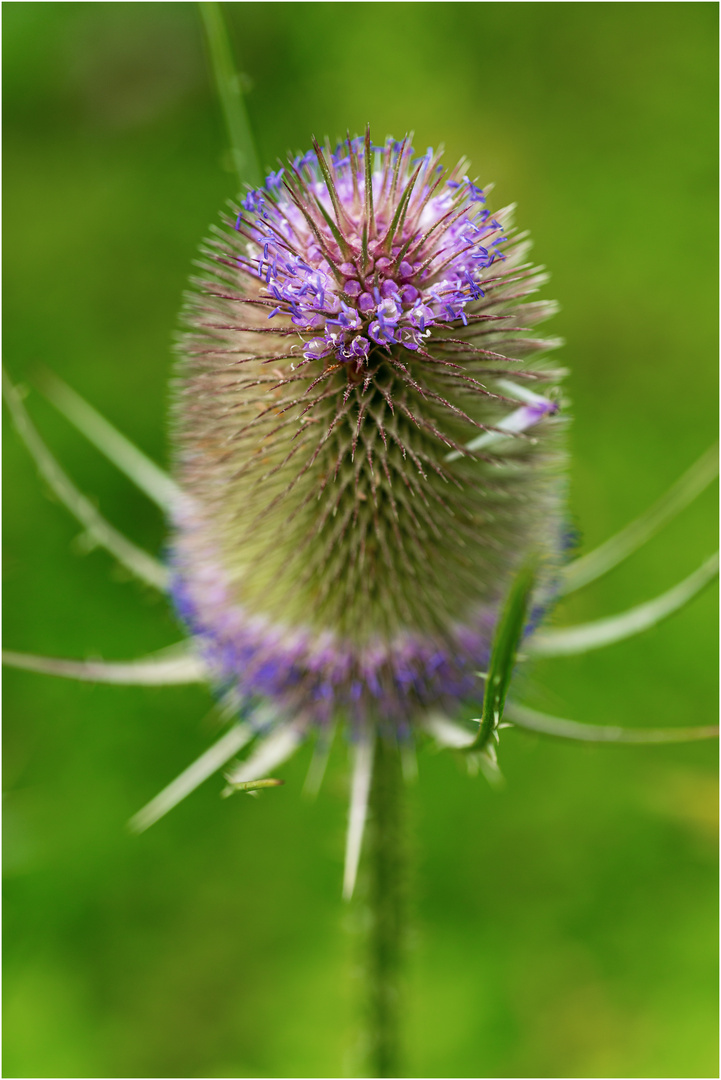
(368, 439)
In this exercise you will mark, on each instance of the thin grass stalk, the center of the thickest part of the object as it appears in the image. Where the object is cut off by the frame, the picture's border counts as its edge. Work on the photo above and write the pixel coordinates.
(240, 136)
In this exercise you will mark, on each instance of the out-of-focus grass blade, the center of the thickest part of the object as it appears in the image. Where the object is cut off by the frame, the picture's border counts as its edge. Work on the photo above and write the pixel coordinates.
(589, 567)
(524, 717)
(148, 476)
(568, 640)
(509, 630)
(242, 144)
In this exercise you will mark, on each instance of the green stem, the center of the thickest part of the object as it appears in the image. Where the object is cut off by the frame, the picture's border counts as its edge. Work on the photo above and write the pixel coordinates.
(240, 137)
(386, 863)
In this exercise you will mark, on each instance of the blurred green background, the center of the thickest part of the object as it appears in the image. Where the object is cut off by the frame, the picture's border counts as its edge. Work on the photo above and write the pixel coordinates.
(564, 927)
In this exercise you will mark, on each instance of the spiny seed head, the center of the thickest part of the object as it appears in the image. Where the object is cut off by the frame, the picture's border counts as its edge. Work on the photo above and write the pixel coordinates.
(367, 435)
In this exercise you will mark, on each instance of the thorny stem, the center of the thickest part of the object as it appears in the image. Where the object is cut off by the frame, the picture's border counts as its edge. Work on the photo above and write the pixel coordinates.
(386, 901)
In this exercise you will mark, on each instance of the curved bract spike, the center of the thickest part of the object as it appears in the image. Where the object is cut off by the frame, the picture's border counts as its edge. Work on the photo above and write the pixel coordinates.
(522, 716)
(100, 531)
(598, 562)
(568, 640)
(451, 736)
(144, 473)
(147, 671)
(240, 137)
(208, 763)
(358, 812)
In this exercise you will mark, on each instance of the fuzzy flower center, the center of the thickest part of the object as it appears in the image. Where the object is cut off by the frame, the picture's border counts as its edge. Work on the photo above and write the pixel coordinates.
(368, 247)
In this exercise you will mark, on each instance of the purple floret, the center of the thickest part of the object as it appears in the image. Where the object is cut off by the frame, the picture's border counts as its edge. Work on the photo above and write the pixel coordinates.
(334, 287)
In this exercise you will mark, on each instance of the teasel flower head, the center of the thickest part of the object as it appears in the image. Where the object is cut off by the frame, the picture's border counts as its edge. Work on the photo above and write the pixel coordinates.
(367, 437)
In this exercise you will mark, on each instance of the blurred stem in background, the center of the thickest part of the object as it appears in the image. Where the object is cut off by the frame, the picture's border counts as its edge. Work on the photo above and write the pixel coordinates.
(227, 82)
